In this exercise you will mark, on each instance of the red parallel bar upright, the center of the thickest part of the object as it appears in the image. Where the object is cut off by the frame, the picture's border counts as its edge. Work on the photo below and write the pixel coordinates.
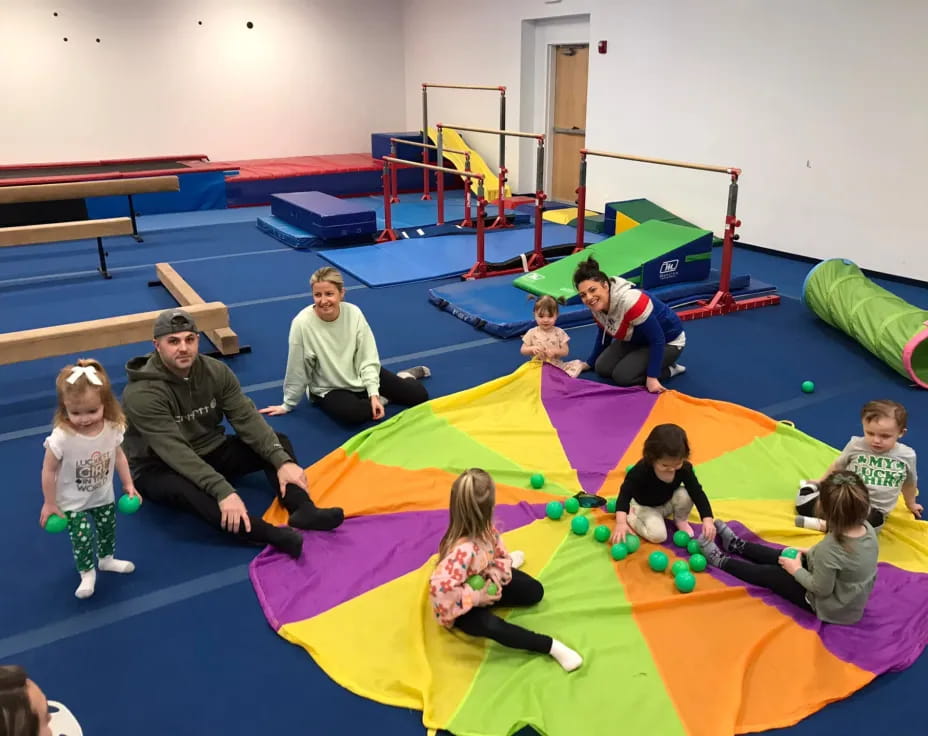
(479, 270)
(537, 259)
(387, 233)
(501, 220)
(467, 222)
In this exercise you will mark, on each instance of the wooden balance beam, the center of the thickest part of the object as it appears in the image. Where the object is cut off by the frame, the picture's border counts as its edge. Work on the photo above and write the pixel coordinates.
(83, 189)
(225, 340)
(80, 337)
(66, 231)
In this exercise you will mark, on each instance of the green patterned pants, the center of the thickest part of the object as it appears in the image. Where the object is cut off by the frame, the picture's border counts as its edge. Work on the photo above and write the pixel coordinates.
(82, 534)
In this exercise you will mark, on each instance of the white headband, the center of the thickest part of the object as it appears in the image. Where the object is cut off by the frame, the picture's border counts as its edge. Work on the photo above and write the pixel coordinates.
(85, 370)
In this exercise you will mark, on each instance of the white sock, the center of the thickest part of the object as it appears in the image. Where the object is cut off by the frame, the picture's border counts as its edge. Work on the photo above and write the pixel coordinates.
(417, 371)
(111, 564)
(88, 581)
(518, 558)
(811, 522)
(565, 656)
(676, 369)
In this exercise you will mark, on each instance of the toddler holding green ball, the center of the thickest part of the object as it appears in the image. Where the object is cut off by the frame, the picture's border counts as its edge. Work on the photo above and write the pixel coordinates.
(81, 455)
(475, 573)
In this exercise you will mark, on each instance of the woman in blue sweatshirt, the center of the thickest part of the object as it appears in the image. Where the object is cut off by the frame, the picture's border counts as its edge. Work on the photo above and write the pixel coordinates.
(639, 338)
(333, 360)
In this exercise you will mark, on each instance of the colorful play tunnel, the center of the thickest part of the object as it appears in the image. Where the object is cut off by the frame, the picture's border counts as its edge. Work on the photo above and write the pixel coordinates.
(888, 326)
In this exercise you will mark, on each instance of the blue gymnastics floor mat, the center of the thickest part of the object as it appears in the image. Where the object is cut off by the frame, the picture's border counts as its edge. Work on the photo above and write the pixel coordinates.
(421, 259)
(495, 306)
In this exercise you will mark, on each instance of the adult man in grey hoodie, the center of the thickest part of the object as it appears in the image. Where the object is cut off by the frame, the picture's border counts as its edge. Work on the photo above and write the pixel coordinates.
(180, 455)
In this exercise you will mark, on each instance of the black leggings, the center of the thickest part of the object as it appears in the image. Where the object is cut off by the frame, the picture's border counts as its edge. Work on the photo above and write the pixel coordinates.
(232, 459)
(767, 573)
(809, 508)
(354, 407)
(627, 365)
(523, 590)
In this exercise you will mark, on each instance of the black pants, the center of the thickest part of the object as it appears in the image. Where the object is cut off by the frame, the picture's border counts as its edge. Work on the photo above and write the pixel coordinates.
(232, 459)
(523, 590)
(767, 573)
(808, 508)
(354, 407)
(627, 365)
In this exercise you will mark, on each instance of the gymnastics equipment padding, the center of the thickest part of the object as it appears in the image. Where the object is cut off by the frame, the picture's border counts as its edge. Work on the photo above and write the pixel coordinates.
(323, 215)
(651, 254)
(888, 326)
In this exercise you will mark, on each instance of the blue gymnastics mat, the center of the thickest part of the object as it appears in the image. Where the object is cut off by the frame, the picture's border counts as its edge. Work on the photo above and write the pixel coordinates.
(496, 306)
(421, 259)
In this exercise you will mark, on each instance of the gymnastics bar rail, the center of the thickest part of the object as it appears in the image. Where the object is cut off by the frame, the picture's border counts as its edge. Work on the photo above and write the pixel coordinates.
(85, 189)
(724, 301)
(425, 122)
(68, 231)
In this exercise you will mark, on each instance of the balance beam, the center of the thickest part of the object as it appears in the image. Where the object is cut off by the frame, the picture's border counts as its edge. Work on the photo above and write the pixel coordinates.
(82, 337)
(83, 189)
(224, 338)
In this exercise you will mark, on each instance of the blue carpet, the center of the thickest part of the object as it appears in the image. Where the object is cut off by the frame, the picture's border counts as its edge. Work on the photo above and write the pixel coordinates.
(186, 625)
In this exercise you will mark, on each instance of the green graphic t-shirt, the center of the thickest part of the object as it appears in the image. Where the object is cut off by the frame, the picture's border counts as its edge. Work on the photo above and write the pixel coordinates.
(884, 473)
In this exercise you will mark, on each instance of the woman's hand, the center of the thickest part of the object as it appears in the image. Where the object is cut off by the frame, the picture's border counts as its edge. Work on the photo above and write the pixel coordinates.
(274, 411)
(654, 386)
(376, 408)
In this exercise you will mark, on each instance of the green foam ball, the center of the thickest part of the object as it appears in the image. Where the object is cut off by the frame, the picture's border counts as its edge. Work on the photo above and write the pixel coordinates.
(681, 538)
(128, 504)
(602, 533)
(658, 561)
(537, 480)
(580, 525)
(572, 505)
(632, 542)
(554, 510)
(619, 551)
(492, 589)
(790, 552)
(476, 582)
(55, 524)
(610, 505)
(698, 562)
(629, 468)
(693, 547)
(685, 581)
(808, 387)
(679, 566)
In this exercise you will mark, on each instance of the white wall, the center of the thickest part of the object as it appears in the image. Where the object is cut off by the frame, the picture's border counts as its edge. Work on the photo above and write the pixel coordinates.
(311, 77)
(765, 86)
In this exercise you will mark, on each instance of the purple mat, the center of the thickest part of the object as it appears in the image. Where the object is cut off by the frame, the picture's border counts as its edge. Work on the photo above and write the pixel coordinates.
(367, 551)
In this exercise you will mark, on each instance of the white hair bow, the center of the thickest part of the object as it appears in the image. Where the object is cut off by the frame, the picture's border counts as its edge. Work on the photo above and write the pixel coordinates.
(85, 370)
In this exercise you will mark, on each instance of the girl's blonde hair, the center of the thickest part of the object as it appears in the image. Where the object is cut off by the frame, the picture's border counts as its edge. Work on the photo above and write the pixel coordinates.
(327, 273)
(843, 502)
(473, 497)
(65, 389)
(546, 306)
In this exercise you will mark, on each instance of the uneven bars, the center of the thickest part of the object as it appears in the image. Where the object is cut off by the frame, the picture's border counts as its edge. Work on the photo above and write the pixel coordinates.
(498, 88)
(427, 145)
(515, 133)
(662, 161)
(443, 169)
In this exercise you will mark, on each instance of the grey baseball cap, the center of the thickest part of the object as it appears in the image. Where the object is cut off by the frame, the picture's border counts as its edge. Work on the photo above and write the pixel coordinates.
(173, 320)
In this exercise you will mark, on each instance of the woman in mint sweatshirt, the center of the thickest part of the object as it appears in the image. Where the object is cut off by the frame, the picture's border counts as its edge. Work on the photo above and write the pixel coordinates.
(333, 360)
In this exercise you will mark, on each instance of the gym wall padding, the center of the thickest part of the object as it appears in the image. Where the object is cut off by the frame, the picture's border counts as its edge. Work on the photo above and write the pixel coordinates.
(888, 326)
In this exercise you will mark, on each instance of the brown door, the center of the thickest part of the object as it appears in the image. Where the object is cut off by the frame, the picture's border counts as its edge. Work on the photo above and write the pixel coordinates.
(569, 134)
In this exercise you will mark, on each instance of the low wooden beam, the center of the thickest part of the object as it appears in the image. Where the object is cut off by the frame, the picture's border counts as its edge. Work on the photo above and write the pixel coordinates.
(224, 338)
(83, 337)
(59, 231)
(83, 189)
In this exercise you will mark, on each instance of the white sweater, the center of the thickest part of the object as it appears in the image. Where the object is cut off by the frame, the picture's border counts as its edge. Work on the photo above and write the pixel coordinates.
(330, 355)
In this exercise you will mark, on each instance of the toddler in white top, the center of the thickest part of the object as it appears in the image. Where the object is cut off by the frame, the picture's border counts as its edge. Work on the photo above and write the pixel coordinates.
(547, 342)
(81, 454)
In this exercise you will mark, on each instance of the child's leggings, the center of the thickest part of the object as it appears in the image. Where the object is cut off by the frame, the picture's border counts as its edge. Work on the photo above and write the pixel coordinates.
(767, 573)
(82, 534)
(523, 590)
